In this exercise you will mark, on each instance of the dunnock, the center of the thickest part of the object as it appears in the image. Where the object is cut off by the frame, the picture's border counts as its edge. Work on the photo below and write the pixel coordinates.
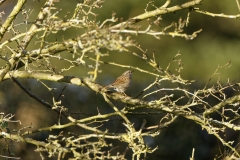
(122, 82)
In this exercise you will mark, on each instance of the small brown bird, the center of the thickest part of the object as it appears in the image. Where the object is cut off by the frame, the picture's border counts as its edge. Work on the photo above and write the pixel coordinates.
(122, 82)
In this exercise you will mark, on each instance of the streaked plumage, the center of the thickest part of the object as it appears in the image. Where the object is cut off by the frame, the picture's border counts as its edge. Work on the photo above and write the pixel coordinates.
(122, 82)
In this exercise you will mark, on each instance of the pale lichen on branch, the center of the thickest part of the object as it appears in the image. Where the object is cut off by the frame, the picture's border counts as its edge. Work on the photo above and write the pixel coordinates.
(46, 51)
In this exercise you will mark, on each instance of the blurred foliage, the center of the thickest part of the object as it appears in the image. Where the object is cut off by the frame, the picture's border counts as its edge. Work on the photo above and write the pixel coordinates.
(216, 45)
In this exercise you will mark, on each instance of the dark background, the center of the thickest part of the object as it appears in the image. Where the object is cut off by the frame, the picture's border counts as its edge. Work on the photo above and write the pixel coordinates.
(217, 44)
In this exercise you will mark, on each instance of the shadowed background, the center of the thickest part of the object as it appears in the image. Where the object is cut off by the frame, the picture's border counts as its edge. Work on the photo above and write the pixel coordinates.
(217, 44)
